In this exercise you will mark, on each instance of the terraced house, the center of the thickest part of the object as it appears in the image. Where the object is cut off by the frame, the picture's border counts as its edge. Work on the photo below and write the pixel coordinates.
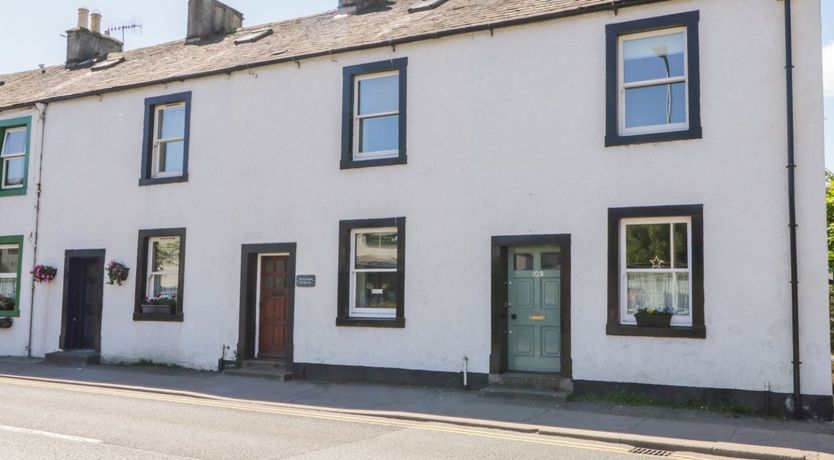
(464, 192)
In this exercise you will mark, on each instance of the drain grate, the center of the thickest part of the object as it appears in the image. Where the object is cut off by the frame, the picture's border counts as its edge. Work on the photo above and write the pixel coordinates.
(652, 452)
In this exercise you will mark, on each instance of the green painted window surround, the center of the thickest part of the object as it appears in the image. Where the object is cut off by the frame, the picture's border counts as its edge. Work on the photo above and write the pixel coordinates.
(18, 240)
(17, 123)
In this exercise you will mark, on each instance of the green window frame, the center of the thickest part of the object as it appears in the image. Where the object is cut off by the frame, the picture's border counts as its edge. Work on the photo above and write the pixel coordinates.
(18, 240)
(4, 126)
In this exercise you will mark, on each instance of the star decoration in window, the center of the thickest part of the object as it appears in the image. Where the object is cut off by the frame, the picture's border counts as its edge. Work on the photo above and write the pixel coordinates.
(657, 262)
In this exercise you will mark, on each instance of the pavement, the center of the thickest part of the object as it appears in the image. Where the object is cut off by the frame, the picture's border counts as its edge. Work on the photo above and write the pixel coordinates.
(642, 426)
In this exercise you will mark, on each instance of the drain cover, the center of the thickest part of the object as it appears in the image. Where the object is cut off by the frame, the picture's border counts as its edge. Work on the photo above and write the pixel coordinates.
(652, 452)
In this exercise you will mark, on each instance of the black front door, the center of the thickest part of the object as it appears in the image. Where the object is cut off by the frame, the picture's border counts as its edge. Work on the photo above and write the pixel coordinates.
(82, 302)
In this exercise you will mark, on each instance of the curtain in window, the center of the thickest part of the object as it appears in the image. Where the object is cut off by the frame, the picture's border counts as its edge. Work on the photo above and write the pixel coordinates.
(658, 291)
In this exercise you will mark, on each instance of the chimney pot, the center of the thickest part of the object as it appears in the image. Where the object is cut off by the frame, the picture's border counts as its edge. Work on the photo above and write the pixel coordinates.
(83, 18)
(95, 22)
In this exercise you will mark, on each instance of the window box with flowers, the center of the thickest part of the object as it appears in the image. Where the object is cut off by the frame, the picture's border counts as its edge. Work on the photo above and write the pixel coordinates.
(160, 305)
(653, 317)
(7, 303)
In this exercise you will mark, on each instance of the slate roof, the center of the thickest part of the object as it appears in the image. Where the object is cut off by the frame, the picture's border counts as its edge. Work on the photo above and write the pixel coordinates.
(322, 34)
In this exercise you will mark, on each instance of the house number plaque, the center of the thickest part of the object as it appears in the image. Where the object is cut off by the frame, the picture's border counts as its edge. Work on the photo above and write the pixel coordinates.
(305, 280)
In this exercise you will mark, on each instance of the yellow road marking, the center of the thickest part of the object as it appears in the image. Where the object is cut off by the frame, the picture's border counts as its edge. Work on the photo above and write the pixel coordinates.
(315, 413)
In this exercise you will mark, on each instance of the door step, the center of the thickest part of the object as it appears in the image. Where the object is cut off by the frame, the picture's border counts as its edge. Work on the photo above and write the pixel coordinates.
(264, 368)
(261, 363)
(498, 391)
(547, 382)
(541, 387)
(74, 357)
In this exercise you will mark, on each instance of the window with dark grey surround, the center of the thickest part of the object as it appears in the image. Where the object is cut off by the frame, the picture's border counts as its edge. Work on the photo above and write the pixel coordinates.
(656, 262)
(167, 129)
(371, 273)
(160, 272)
(653, 80)
(14, 155)
(374, 114)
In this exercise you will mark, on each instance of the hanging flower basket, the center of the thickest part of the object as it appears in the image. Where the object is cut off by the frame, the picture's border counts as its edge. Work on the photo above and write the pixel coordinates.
(650, 317)
(116, 272)
(44, 273)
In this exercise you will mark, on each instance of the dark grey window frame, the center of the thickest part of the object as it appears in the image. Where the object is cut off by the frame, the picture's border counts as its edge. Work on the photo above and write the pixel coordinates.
(147, 138)
(612, 34)
(349, 76)
(615, 215)
(343, 317)
(142, 272)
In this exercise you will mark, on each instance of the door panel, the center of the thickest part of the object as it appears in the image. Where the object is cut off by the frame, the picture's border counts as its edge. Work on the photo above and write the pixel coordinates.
(524, 336)
(92, 297)
(534, 308)
(274, 300)
(550, 293)
(524, 293)
(550, 341)
(83, 302)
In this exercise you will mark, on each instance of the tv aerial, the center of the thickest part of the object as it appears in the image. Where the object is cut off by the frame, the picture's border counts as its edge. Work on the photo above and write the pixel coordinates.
(131, 26)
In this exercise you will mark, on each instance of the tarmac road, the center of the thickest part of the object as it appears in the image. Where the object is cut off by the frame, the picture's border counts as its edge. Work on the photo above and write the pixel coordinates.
(42, 420)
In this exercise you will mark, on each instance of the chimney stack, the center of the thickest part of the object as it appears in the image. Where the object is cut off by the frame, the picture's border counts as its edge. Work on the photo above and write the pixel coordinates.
(95, 22)
(83, 18)
(85, 45)
(209, 18)
(352, 6)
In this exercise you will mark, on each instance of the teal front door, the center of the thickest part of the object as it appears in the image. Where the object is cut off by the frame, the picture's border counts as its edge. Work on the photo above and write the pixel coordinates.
(533, 309)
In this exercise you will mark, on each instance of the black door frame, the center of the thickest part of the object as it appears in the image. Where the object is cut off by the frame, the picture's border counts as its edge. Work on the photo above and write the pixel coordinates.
(500, 261)
(98, 254)
(248, 296)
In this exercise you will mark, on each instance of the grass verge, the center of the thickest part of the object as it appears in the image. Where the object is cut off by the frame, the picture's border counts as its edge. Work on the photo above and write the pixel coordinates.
(152, 363)
(624, 398)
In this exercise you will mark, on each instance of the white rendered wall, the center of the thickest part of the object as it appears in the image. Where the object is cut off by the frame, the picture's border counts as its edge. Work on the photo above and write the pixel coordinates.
(505, 137)
(17, 217)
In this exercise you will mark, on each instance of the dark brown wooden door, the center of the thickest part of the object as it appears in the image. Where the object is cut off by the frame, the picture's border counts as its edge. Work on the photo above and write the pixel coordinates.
(274, 298)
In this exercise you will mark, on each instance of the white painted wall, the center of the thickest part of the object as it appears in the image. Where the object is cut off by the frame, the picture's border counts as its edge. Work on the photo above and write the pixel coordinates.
(505, 137)
(17, 217)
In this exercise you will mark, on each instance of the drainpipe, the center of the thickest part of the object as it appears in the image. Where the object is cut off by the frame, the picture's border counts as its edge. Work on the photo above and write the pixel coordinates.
(797, 394)
(41, 108)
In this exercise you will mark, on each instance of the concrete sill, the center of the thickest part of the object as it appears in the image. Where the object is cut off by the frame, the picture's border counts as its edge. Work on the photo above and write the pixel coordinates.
(694, 332)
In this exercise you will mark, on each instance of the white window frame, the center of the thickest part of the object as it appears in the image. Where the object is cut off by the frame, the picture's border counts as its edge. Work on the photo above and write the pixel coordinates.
(157, 141)
(358, 312)
(8, 156)
(357, 119)
(677, 320)
(11, 276)
(622, 86)
(149, 279)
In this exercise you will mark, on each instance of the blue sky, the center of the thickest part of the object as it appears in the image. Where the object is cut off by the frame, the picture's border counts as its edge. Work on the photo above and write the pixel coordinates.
(36, 25)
